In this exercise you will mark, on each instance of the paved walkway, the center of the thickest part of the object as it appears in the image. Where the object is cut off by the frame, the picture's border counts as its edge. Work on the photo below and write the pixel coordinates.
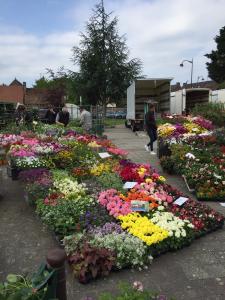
(193, 273)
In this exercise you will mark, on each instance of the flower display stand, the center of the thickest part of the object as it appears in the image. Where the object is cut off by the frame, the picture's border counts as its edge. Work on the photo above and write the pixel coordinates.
(163, 149)
(189, 189)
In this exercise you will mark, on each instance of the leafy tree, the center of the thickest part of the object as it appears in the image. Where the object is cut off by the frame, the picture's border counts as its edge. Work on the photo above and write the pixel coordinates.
(59, 85)
(103, 58)
(42, 83)
(216, 68)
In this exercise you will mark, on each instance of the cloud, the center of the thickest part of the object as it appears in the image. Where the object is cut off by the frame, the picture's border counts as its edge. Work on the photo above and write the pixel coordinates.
(164, 32)
(160, 32)
(26, 56)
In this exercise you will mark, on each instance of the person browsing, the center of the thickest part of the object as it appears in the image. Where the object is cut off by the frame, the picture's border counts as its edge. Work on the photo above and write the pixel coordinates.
(50, 115)
(151, 128)
(85, 119)
(63, 117)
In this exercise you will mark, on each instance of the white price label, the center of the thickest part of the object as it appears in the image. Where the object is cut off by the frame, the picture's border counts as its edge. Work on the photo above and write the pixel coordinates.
(104, 154)
(129, 184)
(180, 201)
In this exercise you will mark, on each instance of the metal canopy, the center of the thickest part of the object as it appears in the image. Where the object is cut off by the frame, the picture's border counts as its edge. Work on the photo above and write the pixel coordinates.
(151, 82)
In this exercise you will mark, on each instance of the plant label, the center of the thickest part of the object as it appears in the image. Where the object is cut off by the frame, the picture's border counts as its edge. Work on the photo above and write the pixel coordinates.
(129, 184)
(222, 204)
(180, 201)
(138, 205)
(104, 154)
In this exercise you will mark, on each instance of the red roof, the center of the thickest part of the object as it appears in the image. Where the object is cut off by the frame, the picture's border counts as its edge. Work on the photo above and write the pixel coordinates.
(12, 94)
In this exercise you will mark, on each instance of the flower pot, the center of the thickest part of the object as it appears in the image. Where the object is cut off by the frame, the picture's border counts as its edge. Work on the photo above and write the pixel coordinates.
(163, 149)
(13, 172)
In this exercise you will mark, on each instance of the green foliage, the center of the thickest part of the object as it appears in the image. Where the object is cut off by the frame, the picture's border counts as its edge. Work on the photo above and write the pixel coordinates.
(59, 84)
(127, 292)
(64, 217)
(103, 57)
(167, 164)
(110, 180)
(178, 157)
(214, 112)
(216, 67)
(113, 122)
(130, 250)
(18, 287)
(221, 85)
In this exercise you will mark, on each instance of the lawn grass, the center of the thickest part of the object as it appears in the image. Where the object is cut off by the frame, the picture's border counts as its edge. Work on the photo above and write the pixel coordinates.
(113, 122)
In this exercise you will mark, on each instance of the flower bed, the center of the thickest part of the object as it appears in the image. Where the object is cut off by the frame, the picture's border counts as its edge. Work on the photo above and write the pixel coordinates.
(197, 154)
(102, 225)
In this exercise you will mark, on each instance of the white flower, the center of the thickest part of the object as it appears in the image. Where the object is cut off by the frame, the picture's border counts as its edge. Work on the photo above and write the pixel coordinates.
(160, 207)
(217, 176)
(190, 155)
(177, 234)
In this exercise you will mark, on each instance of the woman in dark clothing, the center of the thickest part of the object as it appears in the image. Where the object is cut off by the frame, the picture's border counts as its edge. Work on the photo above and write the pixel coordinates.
(50, 115)
(151, 128)
(63, 117)
(20, 115)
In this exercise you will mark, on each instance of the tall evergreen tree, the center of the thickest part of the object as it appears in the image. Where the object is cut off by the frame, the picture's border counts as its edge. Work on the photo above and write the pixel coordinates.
(103, 58)
(216, 68)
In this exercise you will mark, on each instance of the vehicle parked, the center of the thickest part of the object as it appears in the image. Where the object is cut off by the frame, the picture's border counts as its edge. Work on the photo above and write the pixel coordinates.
(120, 115)
(110, 115)
(140, 93)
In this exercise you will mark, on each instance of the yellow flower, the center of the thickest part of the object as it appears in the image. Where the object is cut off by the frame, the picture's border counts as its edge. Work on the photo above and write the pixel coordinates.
(161, 178)
(148, 180)
(99, 169)
(94, 144)
(165, 130)
(143, 228)
(194, 128)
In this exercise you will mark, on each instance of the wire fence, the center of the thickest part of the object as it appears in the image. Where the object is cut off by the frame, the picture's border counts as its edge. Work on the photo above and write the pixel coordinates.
(110, 117)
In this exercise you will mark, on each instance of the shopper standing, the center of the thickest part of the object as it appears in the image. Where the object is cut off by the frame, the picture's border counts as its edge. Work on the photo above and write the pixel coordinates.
(151, 128)
(85, 119)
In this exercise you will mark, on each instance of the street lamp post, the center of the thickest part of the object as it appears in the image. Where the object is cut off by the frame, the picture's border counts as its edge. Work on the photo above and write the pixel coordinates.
(191, 62)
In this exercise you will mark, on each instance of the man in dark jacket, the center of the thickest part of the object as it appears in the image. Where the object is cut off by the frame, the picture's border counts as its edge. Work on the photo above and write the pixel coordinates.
(63, 117)
(50, 115)
(151, 128)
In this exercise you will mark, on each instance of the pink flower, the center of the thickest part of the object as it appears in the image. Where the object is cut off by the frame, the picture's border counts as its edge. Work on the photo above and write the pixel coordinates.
(30, 142)
(169, 199)
(137, 285)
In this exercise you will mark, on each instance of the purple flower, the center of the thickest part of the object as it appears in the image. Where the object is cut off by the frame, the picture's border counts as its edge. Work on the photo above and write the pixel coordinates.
(108, 228)
(34, 175)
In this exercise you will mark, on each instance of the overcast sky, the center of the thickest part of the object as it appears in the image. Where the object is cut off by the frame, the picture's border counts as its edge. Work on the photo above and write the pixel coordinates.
(39, 34)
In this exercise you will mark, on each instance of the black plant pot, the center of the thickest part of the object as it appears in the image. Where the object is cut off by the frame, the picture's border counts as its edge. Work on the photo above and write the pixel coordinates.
(163, 149)
(13, 172)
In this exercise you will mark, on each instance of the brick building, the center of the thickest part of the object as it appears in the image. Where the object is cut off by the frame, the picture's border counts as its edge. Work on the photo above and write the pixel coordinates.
(18, 92)
(13, 93)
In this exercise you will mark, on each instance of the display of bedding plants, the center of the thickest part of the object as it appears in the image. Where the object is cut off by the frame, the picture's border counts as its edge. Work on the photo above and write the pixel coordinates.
(197, 153)
(109, 212)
